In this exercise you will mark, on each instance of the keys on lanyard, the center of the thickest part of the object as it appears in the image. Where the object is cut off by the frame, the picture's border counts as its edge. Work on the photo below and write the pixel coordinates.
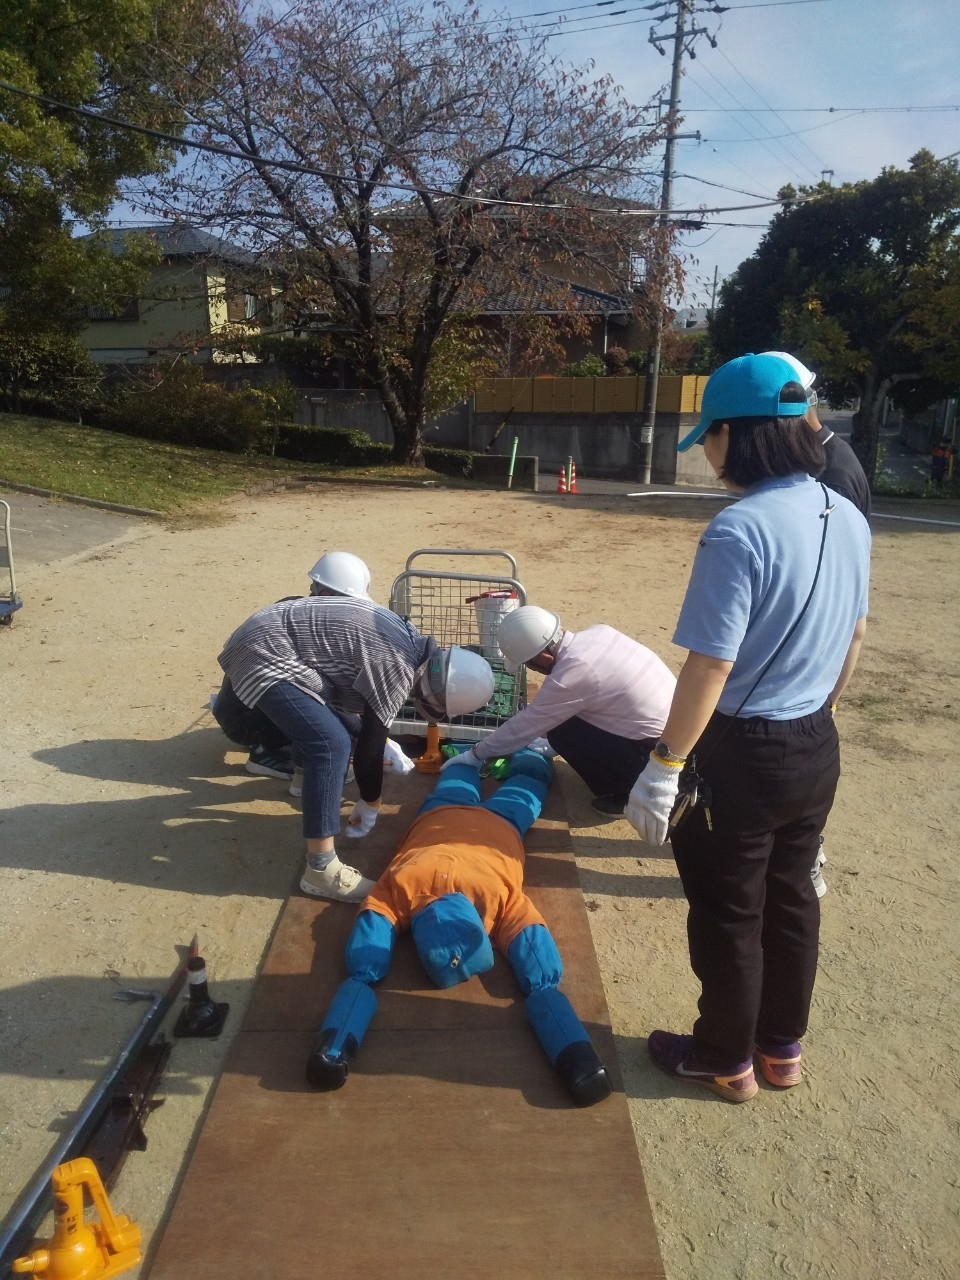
(695, 792)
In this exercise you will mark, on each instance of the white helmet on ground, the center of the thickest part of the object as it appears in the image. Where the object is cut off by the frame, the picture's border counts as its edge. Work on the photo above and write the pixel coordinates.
(804, 376)
(526, 632)
(453, 682)
(343, 573)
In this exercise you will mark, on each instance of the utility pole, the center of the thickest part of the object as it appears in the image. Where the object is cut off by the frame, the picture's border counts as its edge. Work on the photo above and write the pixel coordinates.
(682, 43)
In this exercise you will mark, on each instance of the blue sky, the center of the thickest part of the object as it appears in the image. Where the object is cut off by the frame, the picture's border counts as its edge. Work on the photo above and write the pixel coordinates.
(825, 53)
(759, 99)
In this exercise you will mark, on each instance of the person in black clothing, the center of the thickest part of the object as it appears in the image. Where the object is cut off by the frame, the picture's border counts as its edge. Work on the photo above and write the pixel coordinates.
(940, 461)
(843, 472)
(844, 475)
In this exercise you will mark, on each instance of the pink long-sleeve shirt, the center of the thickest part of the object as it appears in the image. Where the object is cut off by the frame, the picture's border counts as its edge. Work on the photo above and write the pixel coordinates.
(603, 677)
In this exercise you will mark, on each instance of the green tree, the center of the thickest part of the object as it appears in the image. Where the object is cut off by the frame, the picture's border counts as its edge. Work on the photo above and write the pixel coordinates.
(449, 165)
(862, 283)
(59, 169)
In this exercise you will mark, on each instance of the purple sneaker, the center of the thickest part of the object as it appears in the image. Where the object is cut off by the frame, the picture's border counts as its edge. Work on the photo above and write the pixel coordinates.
(674, 1054)
(780, 1064)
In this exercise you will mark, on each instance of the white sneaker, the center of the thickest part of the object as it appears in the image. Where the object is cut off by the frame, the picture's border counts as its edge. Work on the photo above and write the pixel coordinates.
(816, 875)
(337, 881)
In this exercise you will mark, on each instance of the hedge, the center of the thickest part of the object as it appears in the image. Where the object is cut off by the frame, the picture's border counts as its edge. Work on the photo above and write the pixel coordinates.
(348, 447)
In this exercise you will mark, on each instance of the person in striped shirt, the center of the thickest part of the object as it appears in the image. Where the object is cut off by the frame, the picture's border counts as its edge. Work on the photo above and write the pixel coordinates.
(332, 672)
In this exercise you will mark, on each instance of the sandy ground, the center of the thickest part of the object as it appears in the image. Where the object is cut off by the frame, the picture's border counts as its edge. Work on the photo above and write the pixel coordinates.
(127, 826)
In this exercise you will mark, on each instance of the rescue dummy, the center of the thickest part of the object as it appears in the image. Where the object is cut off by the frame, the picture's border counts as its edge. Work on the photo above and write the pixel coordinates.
(474, 850)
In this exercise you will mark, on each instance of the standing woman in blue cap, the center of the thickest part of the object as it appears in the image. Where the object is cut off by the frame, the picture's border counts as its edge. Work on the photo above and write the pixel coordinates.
(773, 619)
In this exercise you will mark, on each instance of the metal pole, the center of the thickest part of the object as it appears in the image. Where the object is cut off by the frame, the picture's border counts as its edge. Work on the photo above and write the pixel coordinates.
(513, 462)
(653, 357)
(28, 1211)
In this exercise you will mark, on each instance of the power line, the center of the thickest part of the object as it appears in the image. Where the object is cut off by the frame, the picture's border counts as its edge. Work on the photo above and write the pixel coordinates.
(294, 166)
(729, 61)
(691, 177)
(759, 111)
(775, 137)
(760, 140)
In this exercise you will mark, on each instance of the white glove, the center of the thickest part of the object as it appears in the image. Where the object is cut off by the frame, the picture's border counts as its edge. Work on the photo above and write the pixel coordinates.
(653, 796)
(394, 760)
(362, 819)
(469, 758)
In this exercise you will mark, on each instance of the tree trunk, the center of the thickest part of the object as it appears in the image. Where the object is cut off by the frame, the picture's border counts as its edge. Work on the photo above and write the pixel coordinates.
(865, 436)
(408, 441)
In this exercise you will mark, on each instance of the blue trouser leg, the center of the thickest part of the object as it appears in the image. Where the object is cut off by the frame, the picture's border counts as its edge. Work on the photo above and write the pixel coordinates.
(519, 800)
(322, 742)
(368, 954)
(457, 785)
(535, 960)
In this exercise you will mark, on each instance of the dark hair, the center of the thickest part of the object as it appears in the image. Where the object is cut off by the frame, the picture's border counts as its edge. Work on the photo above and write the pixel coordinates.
(763, 447)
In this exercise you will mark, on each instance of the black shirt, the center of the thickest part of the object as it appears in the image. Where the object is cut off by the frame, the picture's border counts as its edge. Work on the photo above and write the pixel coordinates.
(843, 472)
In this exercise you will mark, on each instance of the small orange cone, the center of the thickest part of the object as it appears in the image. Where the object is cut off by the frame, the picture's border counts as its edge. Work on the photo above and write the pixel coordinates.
(573, 478)
(562, 482)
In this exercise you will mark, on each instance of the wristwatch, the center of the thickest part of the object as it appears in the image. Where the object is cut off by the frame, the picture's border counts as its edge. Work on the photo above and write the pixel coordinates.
(664, 754)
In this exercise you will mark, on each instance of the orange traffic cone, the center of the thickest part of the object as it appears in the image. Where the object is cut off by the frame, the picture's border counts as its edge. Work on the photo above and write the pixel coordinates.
(573, 478)
(562, 482)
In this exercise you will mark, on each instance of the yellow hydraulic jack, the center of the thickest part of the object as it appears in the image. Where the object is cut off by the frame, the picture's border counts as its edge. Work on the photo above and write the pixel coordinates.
(431, 760)
(80, 1250)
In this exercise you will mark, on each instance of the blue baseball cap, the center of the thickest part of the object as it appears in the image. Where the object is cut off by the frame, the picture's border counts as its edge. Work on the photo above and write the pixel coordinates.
(451, 941)
(748, 387)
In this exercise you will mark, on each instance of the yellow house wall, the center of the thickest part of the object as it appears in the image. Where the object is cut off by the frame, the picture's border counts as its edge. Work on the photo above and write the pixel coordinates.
(174, 312)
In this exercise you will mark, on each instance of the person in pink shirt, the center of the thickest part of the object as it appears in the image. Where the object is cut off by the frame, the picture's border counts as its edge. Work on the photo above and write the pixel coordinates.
(602, 705)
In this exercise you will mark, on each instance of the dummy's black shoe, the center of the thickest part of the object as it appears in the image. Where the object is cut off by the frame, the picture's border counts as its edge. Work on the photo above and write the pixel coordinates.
(328, 1071)
(610, 806)
(583, 1073)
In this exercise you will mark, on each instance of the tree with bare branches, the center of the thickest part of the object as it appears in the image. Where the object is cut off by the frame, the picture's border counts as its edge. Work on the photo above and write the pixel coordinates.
(406, 169)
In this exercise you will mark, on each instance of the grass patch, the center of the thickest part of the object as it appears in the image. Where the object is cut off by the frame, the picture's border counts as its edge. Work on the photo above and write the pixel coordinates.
(876, 707)
(90, 463)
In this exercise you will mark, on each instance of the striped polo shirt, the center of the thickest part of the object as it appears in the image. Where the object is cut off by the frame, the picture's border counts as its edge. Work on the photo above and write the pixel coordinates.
(345, 652)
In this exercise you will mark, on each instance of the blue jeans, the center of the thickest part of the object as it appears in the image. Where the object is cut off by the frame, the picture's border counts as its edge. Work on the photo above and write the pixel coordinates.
(323, 743)
(518, 800)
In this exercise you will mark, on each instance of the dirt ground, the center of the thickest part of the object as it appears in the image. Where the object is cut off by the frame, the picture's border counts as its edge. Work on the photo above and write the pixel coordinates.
(127, 826)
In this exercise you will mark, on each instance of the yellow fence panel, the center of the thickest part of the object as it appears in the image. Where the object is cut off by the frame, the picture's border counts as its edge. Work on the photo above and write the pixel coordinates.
(545, 398)
(587, 395)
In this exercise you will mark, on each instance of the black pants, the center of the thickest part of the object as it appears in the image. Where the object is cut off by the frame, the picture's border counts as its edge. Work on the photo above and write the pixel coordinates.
(607, 763)
(754, 917)
(246, 726)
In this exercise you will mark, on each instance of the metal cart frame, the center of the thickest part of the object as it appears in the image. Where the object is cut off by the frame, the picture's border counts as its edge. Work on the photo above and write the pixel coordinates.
(442, 603)
(9, 604)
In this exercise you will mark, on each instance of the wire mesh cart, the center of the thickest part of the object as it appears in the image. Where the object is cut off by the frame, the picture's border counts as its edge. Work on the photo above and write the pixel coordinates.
(457, 605)
(10, 603)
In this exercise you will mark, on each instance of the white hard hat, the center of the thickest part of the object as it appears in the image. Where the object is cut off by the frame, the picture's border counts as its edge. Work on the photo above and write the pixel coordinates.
(804, 376)
(454, 682)
(342, 572)
(526, 632)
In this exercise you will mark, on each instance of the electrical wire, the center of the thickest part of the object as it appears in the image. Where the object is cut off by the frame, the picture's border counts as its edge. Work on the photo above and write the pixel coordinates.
(692, 177)
(774, 137)
(730, 63)
(293, 166)
(762, 141)
(758, 111)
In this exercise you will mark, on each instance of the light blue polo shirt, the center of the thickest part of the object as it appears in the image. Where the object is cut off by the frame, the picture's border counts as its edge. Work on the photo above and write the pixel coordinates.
(751, 575)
